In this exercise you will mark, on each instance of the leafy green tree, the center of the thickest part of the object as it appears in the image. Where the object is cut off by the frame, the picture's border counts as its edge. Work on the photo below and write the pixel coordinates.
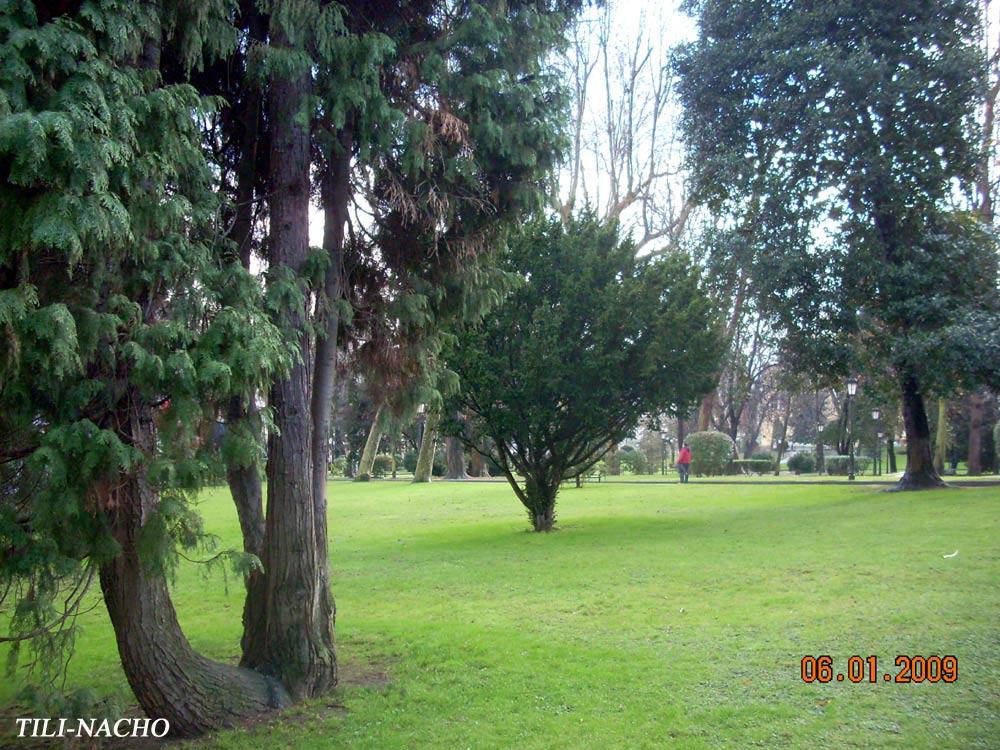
(591, 339)
(126, 323)
(852, 123)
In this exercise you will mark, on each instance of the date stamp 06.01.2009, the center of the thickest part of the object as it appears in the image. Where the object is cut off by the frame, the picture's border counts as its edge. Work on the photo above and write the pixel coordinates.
(907, 669)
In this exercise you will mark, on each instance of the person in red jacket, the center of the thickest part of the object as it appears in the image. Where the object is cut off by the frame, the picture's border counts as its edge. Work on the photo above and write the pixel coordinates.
(684, 463)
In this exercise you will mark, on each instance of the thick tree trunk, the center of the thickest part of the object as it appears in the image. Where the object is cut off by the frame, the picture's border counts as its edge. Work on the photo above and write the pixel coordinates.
(371, 447)
(890, 449)
(244, 480)
(455, 455)
(477, 464)
(169, 679)
(425, 456)
(295, 641)
(705, 412)
(977, 409)
(540, 500)
(920, 473)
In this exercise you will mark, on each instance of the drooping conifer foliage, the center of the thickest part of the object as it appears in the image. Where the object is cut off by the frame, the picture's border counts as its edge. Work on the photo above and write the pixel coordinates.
(153, 156)
(125, 320)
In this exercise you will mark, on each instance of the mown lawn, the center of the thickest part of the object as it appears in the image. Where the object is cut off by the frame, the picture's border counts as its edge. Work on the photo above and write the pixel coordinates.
(658, 616)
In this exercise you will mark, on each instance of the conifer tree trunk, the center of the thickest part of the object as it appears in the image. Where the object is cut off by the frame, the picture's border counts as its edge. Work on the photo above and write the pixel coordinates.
(294, 643)
(169, 679)
(425, 457)
(540, 499)
(335, 196)
(920, 472)
(371, 447)
(244, 480)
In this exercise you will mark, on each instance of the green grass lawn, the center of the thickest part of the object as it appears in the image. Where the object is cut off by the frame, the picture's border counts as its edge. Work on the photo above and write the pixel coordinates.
(657, 616)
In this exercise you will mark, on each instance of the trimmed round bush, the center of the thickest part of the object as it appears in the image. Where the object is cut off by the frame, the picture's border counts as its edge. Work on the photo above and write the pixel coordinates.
(711, 453)
(382, 465)
(410, 461)
(802, 463)
(763, 456)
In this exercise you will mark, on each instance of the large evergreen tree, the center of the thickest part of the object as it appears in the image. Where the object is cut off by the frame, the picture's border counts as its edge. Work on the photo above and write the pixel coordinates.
(845, 129)
(125, 322)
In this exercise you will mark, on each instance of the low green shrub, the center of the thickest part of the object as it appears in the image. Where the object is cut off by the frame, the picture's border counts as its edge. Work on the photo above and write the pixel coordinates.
(754, 465)
(711, 453)
(338, 466)
(840, 465)
(763, 456)
(802, 463)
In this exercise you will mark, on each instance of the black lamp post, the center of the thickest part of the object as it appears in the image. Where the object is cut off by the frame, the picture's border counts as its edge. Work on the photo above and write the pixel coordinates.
(852, 390)
(876, 469)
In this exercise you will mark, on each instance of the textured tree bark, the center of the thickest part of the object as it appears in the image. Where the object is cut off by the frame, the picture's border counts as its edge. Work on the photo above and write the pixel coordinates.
(335, 195)
(425, 457)
(455, 456)
(371, 447)
(941, 437)
(920, 473)
(295, 641)
(977, 408)
(169, 679)
(540, 500)
(244, 480)
(705, 412)
(477, 464)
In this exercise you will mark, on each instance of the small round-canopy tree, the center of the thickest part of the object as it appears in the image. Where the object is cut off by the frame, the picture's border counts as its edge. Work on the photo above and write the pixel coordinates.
(591, 339)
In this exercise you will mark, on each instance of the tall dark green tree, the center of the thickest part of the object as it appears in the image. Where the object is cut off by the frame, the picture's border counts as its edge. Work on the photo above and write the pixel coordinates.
(126, 320)
(443, 120)
(853, 126)
(591, 339)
